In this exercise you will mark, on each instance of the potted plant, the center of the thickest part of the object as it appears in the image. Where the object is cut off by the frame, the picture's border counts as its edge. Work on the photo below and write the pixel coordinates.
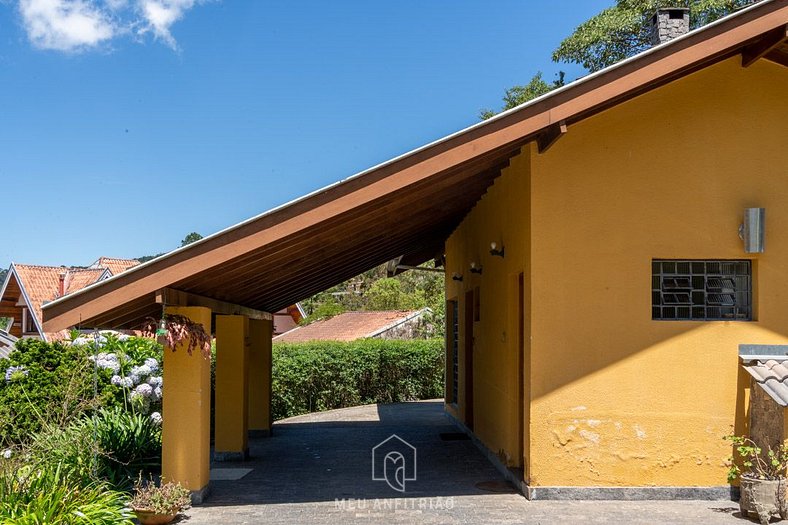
(157, 505)
(762, 478)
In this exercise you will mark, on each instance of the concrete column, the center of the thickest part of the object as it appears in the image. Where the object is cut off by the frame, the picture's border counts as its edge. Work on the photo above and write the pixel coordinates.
(232, 388)
(186, 412)
(260, 419)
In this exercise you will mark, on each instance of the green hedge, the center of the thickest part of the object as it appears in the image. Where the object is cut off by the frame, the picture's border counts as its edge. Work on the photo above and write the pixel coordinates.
(323, 375)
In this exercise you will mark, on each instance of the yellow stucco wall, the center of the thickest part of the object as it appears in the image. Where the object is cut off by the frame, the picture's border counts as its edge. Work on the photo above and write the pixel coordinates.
(260, 375)
(501, 217)
(186, 410)
(232, 384)
(616, 398)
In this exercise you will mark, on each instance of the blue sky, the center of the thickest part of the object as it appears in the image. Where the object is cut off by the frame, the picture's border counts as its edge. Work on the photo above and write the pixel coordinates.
(126, 124)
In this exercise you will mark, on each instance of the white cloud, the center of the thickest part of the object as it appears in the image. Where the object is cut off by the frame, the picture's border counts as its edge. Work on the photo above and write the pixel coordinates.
(65, 25)
(159, 15)
(78, 25)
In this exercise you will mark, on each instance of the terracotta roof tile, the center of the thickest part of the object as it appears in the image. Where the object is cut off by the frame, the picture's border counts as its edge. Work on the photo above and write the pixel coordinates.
(772, 376)
(348, 326)
(42, 283)
(114, 265)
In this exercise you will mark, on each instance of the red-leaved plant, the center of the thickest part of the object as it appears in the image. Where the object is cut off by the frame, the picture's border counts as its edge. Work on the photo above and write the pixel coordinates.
(177, 330)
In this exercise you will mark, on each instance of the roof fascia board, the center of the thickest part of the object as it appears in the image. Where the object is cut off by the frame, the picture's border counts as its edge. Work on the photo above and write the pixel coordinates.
(5, 282)
(28, 303)
(514, 127)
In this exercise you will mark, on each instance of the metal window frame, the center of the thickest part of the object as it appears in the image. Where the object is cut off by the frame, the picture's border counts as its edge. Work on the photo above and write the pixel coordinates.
(701, 290)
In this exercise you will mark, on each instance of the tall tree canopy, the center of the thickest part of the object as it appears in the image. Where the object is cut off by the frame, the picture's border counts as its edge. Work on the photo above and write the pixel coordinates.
(616, 33)
(623, 30)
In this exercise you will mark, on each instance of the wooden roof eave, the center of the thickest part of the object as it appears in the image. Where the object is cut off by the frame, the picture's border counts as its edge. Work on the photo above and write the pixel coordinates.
(496, 136)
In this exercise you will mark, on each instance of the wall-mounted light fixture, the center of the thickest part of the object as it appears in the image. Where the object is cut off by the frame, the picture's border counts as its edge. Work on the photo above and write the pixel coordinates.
(475, 268)
(456, 276)
(752, 229)
(494, 250)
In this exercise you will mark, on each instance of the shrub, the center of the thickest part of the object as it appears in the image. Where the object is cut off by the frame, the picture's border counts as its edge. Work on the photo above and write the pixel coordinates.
(58, 382)
(31, 495)
(324, 375)
(129, 445)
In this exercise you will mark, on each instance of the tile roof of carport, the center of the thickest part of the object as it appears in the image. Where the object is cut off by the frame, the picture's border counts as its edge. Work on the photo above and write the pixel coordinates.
(406, 206)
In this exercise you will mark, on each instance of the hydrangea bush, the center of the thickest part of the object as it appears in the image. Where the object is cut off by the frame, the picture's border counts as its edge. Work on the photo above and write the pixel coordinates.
(55, 381)
(133, 367)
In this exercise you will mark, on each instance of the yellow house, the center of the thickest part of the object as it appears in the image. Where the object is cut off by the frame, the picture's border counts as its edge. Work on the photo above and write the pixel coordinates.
(598, 290)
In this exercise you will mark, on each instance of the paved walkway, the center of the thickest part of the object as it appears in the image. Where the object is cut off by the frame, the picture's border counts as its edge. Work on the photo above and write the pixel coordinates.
(317, 469)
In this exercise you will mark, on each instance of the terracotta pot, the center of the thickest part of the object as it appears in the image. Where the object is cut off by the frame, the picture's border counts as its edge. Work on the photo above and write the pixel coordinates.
(764, 497)
(149, 517)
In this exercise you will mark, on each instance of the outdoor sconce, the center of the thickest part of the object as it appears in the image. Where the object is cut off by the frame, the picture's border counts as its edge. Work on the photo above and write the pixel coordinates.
(456, 277)
(751, 230)
(495, 251)
(475, 269)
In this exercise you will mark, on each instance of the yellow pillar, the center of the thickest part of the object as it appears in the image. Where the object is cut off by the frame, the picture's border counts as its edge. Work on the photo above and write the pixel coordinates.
(186, 412)
(260, 419)
(232, 388)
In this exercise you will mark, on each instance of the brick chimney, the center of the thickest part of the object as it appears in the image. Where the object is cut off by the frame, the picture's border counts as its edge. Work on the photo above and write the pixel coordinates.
(669, 23)
(61, 285)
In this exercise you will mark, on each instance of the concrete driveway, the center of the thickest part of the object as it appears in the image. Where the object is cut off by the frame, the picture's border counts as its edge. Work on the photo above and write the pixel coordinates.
(318, 469)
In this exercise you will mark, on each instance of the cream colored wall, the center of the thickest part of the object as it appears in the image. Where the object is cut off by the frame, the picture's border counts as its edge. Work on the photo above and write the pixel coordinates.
(616, 398)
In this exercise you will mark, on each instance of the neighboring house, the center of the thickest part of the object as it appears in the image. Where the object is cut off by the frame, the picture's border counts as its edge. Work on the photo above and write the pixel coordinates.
(593, 350)
(288, 318)
(28, 287)
(115, 266)
(350, 326)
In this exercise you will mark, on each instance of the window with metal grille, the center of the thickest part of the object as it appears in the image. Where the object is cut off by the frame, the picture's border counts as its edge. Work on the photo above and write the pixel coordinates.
(455, 350)
(715, 290)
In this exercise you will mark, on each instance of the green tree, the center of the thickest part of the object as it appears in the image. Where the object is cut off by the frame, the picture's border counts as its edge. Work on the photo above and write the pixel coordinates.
(616, 33)
(514, 96)
(623, 30)
(192, 237)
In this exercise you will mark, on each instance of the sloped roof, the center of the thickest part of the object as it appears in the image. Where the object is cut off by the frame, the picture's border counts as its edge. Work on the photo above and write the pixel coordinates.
(41, 284)
(115, 266)
(406, 206)
(348, 326)
(772, 376)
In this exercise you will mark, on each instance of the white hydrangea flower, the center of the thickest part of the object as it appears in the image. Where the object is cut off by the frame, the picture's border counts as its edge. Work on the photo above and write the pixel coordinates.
(157, 392)
(143, 370)
(152, 364)
(116, 380)
(123, 337)
(7, 453)
(154, 381)
(144, 390)
(135, 379)
(126, 382)
(156, 417)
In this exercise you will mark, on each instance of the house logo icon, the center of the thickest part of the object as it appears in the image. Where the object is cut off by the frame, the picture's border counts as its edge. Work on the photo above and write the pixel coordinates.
(394, 461)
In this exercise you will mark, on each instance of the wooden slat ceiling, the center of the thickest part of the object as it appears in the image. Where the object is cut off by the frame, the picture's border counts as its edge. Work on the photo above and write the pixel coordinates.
(407, 206)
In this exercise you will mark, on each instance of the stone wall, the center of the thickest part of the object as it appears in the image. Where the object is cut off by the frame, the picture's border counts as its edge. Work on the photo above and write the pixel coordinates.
(766, 418)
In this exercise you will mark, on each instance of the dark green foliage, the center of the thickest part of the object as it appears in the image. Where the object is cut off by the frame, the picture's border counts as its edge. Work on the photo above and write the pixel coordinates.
(372, 290)
(129, 444)
(623, 30)
(59, 385)
(514, 96)
(324, 375)
(192, 237)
